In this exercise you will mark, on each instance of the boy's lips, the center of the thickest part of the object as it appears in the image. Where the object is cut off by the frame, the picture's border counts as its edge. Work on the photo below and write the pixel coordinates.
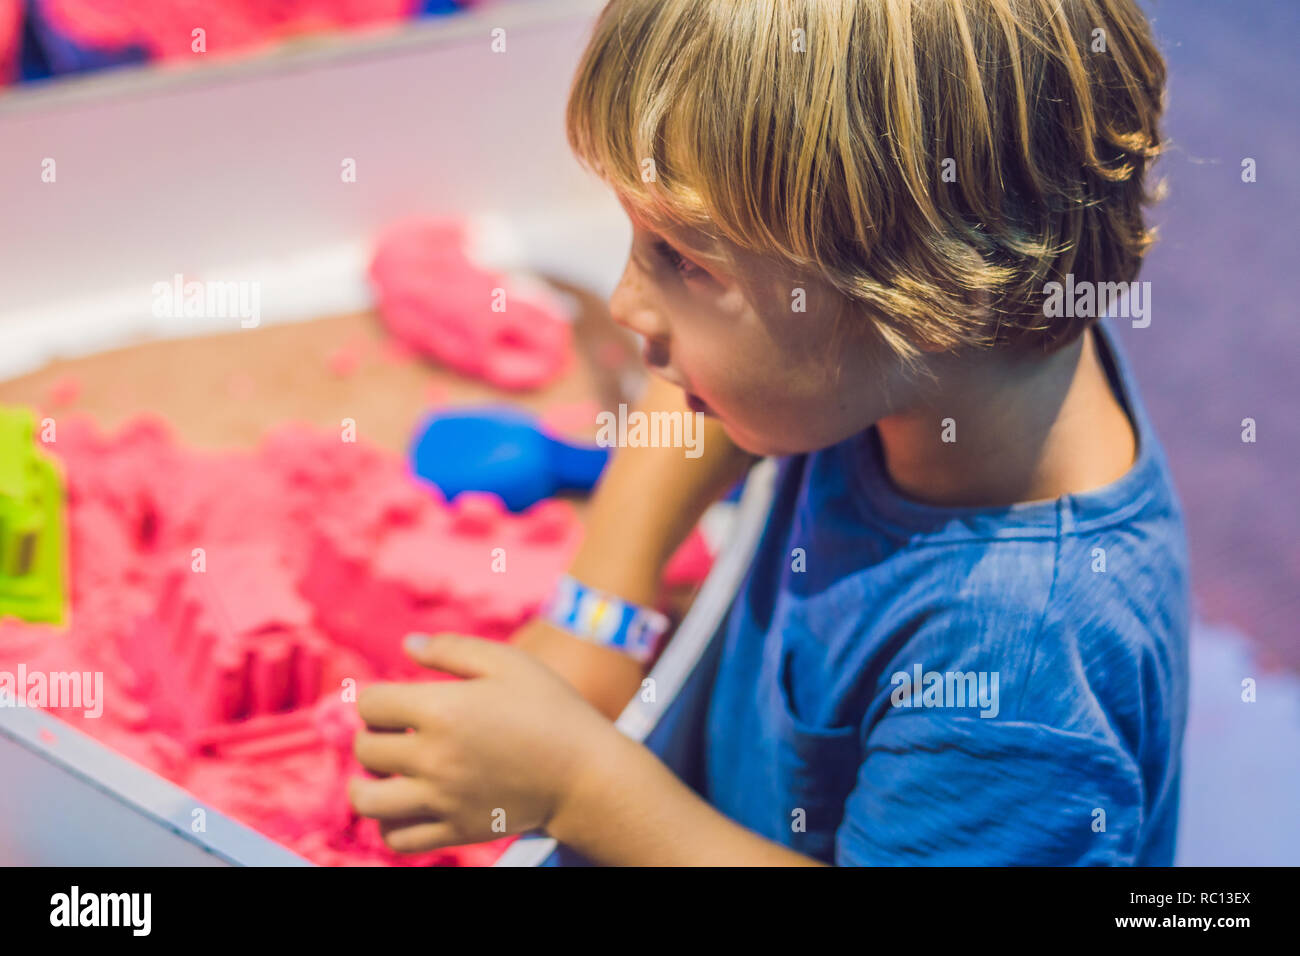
(693, 401)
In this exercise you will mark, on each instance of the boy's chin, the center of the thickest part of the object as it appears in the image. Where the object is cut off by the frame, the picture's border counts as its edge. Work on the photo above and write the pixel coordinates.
(763, 446)
(769, 445)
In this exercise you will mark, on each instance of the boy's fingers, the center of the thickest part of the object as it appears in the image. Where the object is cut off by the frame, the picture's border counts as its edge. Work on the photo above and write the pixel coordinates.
(386, 753)
(416, 837)
(399, 799)
(457, 654)
(394, 706)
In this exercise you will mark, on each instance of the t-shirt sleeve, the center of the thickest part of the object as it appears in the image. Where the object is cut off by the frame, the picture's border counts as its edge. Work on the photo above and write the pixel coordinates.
(947, 790)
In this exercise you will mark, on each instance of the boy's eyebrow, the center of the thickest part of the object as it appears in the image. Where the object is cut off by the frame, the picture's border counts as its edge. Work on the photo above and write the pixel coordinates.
(686, 240)
(703, 254)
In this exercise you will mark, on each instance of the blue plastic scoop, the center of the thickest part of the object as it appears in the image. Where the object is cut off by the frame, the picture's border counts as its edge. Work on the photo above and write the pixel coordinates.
(502, 450)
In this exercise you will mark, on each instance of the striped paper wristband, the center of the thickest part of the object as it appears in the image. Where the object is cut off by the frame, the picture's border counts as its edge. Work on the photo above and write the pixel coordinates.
(607, 620)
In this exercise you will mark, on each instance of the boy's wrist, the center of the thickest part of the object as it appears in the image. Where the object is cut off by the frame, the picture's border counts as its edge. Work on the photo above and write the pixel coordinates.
(590, 793)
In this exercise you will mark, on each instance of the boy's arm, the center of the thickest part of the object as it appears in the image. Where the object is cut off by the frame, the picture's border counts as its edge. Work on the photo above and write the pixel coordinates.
(647, 501)
(628, 809)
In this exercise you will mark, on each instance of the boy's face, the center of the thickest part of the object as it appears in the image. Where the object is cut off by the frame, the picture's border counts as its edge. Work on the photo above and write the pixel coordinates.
(765, 371)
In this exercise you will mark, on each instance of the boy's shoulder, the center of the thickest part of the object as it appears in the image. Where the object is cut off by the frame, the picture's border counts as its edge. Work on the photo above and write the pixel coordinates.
(1087, 591)
(1123, 541)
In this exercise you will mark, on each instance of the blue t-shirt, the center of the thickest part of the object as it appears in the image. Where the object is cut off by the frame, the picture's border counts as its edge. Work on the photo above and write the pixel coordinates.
(906, 684)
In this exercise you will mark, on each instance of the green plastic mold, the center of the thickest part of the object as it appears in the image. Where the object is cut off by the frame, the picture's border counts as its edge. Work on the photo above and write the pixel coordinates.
(33, 530)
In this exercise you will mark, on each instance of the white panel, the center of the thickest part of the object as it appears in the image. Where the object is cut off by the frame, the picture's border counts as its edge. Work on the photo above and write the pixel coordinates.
(232, 172)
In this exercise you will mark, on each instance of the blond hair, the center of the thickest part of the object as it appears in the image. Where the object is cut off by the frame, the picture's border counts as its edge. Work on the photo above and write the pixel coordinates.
(918, 156)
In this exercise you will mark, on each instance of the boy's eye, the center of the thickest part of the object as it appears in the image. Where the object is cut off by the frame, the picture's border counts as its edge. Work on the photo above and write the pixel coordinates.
(687, 268)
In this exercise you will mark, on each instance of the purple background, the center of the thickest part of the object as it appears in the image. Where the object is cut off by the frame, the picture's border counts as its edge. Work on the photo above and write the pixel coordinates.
(1223, 340)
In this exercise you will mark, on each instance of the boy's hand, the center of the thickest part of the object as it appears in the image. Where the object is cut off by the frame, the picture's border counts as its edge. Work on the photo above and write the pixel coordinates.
(507, 744)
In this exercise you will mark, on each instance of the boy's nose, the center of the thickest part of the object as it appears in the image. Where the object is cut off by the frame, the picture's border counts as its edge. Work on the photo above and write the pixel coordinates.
(631, 308)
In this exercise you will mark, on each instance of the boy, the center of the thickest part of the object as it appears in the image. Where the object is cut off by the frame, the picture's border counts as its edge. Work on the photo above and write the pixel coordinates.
(963, 637)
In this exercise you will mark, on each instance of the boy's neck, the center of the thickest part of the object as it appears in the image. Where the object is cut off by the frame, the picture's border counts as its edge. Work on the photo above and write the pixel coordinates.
(1025, 429)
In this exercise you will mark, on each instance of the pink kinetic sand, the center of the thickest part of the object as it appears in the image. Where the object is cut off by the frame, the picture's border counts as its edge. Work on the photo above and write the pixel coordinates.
(11, 29)
(164, 28)
(236, 601)
(63, 392)
(691, 563)
(345, 360)
(437, 301)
